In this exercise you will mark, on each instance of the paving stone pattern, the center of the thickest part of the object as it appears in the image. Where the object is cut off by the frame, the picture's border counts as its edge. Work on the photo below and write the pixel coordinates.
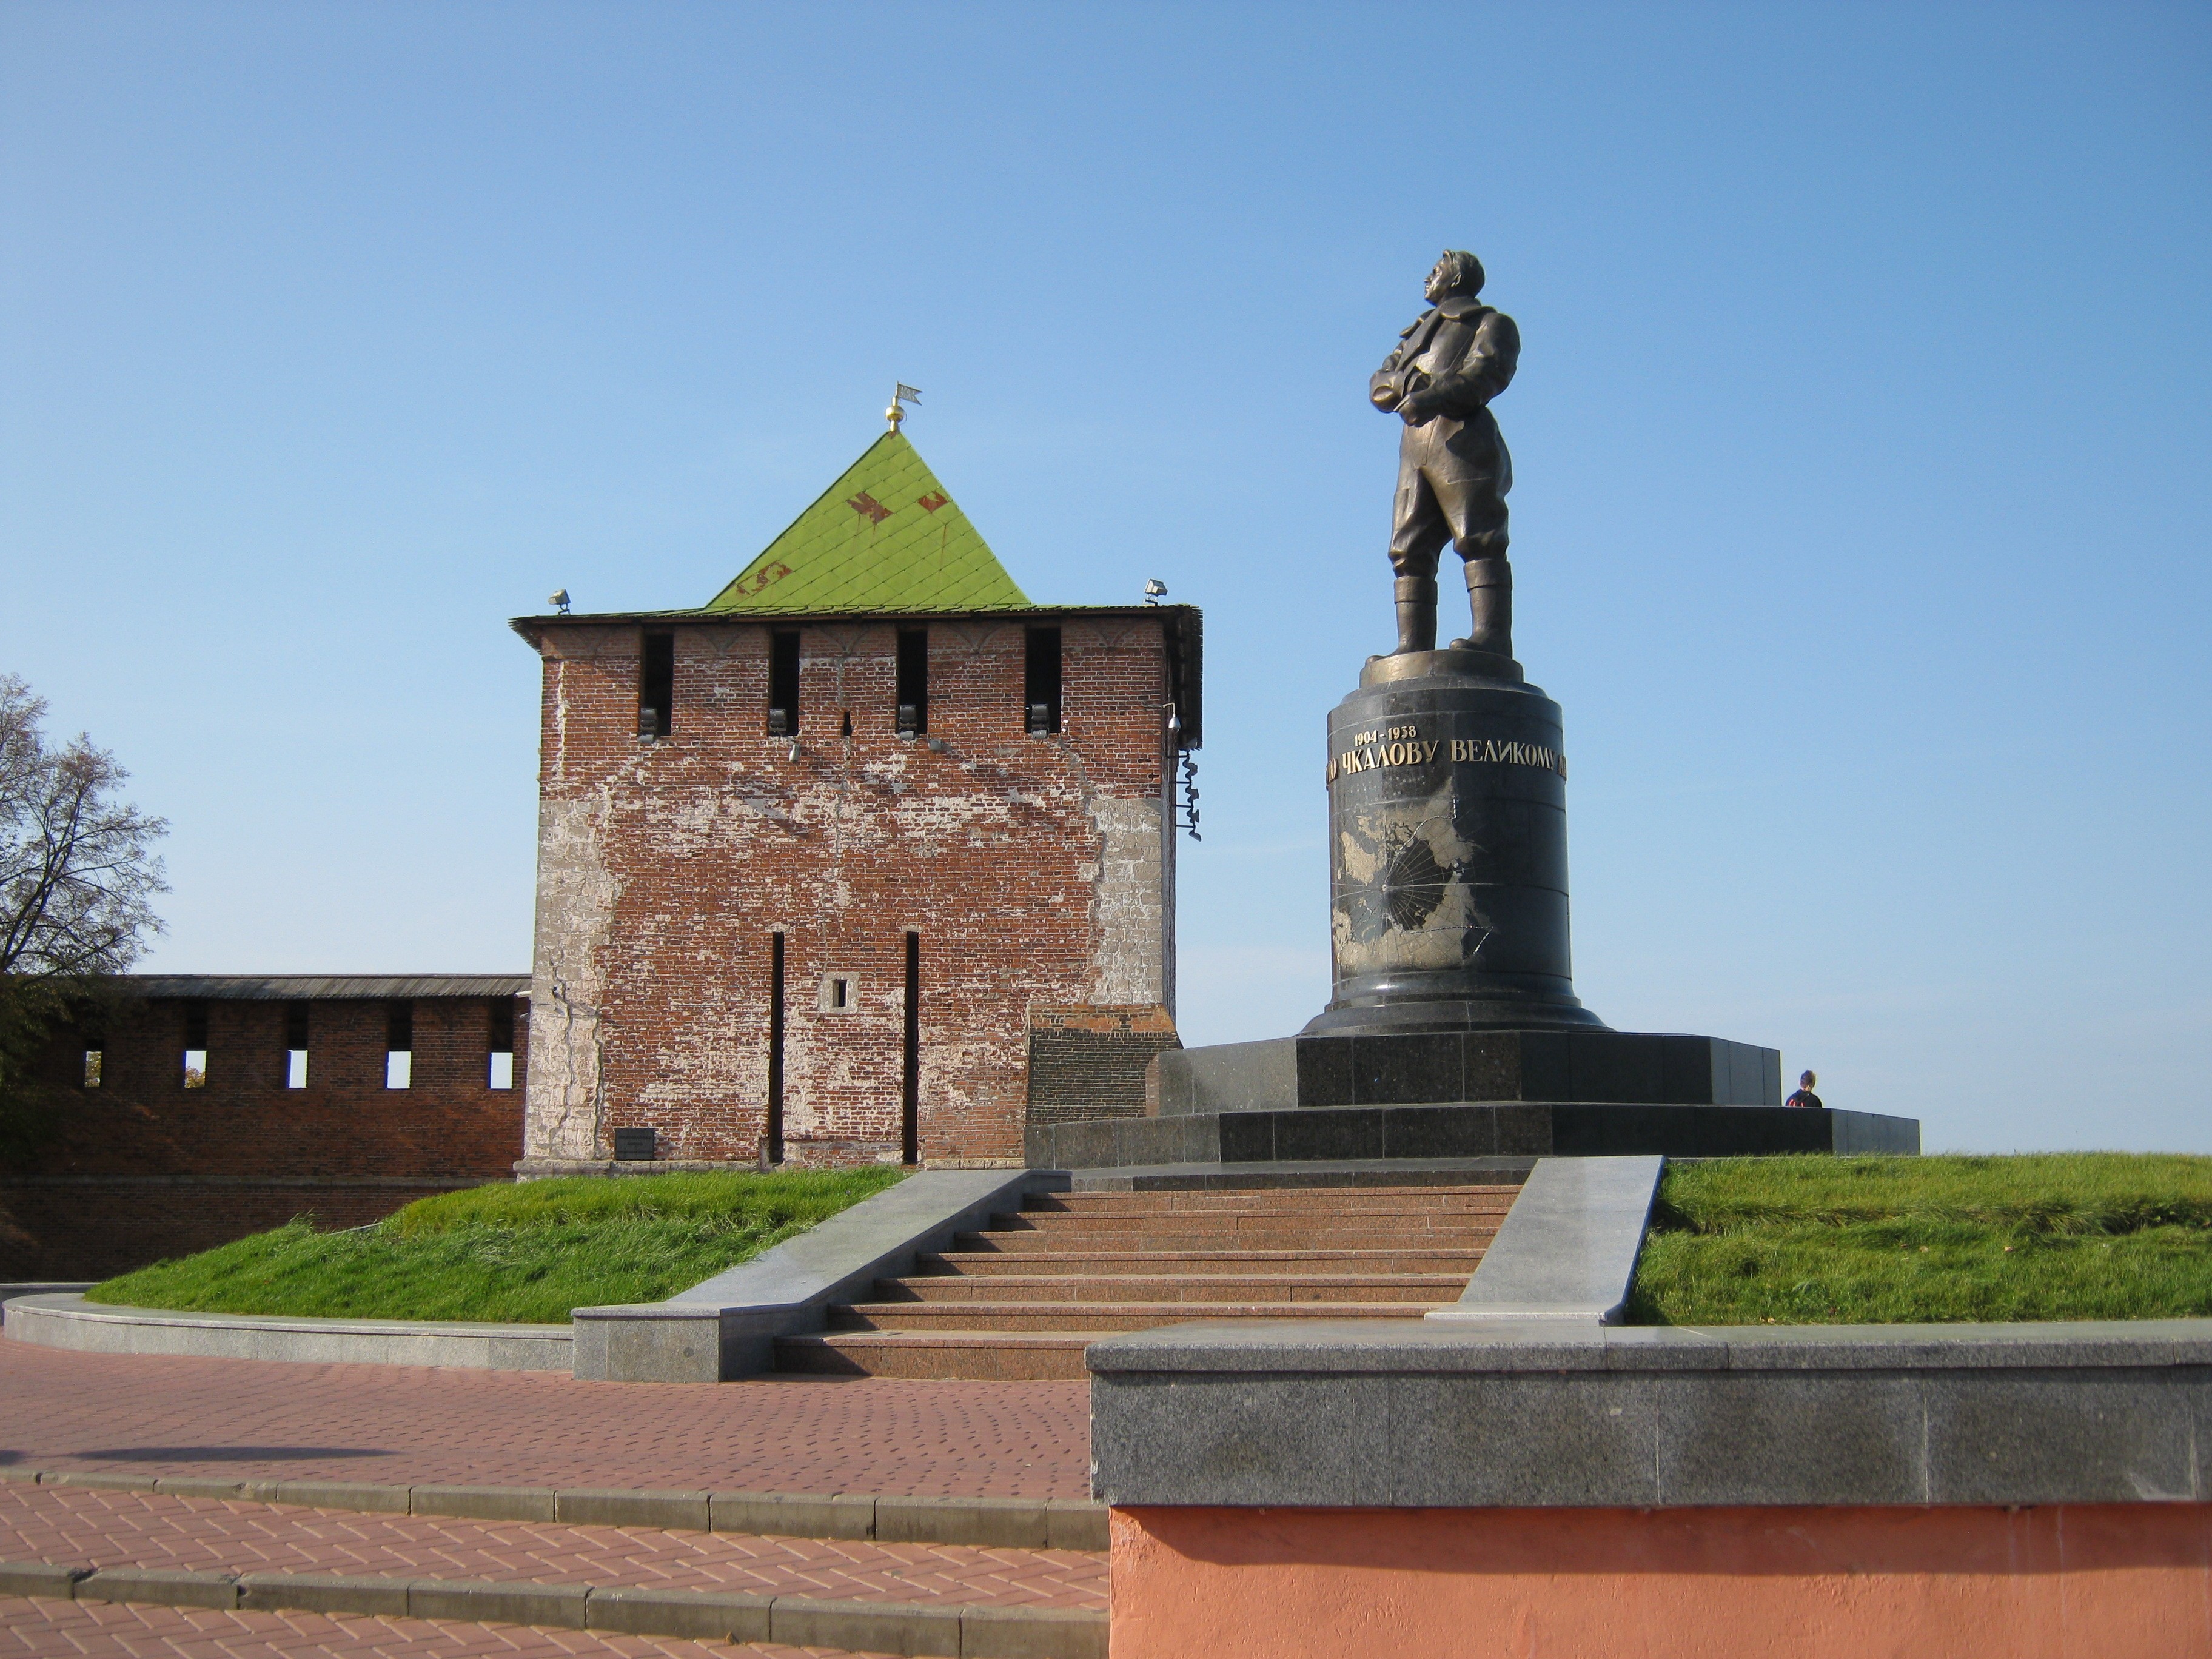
(42, 1628)
(78, 1527)
(249, 1419)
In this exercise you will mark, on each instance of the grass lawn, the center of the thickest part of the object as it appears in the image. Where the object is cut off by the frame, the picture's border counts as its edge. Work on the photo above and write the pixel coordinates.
(525, 1251)
(1826, 1241)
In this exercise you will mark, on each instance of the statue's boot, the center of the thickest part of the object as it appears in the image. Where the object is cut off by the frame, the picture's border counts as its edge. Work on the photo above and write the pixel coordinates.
(1417, 613)
(1490, 597)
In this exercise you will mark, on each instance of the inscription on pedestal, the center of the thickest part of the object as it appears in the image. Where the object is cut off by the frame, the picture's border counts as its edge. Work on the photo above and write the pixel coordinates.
(1404, 745)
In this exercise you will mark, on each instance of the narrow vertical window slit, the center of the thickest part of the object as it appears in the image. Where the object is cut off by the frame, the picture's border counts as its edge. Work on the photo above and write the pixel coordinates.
(775, 1130)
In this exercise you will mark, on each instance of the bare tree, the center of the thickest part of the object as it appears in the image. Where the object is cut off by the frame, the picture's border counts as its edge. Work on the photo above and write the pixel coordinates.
(78, 874)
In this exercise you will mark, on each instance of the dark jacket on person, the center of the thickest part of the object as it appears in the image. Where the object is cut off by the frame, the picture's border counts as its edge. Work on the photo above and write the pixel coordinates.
(1466, 352)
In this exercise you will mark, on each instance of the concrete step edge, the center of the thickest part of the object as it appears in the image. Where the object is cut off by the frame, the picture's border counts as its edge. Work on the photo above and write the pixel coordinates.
(991, 1294)
(1228, 1195)
(938, 1311)
(1264, 1282)
(948, 1628)
(1100, 1320)
(948, 1339)
(1071, 1220)
(1012, 1243)
(1224, 1257)
(1076, 1226)
(1062, 1523)
(1088, 1205)
(1051, 1274)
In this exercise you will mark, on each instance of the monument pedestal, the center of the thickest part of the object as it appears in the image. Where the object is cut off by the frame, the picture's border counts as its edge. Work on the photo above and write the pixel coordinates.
(1448, 851)
(1454, 1032)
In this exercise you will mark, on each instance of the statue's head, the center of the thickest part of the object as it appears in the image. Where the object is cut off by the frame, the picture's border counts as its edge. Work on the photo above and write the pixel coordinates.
(1455, 273)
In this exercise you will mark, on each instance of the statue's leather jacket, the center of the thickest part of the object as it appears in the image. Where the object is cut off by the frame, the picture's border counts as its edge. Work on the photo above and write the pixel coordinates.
(1463, 350)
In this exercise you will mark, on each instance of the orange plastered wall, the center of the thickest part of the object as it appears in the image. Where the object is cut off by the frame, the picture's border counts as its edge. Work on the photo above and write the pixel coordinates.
(2121, 1581)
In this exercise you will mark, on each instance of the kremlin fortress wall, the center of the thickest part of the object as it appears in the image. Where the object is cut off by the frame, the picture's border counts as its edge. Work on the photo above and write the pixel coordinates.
(869, 858)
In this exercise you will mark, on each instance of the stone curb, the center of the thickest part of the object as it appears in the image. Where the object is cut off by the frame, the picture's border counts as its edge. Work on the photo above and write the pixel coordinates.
(1047, 1523)
(948, 1629)
(71, 1322)
(41, 1287)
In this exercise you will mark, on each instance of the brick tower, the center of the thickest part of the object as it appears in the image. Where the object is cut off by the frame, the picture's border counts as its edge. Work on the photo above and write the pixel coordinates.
(822, 863)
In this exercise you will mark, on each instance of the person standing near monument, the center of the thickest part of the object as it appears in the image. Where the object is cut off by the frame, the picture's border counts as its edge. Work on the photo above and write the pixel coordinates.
(1805, 1097)
(1453, 466)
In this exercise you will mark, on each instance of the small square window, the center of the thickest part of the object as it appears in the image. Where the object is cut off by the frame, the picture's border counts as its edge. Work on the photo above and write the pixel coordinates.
(840, 994)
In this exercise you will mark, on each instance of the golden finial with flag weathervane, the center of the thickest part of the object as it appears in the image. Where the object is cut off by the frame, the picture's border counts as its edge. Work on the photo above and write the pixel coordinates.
(904, 394)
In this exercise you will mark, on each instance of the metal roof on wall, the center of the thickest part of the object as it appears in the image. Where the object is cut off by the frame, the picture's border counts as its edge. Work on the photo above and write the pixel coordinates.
(323, 988)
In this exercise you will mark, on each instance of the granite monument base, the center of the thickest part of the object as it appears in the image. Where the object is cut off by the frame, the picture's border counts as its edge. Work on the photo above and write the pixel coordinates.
(1428, 1068)
(1463, 1129)
(1465, 1094)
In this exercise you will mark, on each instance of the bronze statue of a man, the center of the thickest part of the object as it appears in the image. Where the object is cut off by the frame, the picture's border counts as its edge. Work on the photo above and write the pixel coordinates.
(1453, 469)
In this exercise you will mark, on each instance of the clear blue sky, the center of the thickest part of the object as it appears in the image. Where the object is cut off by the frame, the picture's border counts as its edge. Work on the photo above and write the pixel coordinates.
(1861, 440)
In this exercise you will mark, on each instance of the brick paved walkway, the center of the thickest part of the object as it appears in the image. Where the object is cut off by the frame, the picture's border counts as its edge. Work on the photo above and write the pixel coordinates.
(75, 1526)
(80, 1630)
(250, 1419)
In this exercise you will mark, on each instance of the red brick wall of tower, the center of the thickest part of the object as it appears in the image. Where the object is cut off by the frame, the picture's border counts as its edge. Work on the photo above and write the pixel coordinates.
(1034, 869)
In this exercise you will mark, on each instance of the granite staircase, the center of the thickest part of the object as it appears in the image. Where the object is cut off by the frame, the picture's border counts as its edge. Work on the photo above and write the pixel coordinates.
(1022, 1299)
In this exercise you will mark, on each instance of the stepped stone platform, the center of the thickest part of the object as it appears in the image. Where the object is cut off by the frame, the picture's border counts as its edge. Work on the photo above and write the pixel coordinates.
(1526, 1129)
(1022, 1297)
(1415, 1067)
(1462, 1094)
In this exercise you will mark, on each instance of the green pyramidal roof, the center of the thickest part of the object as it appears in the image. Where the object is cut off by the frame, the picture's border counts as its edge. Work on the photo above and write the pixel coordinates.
(885, 537)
